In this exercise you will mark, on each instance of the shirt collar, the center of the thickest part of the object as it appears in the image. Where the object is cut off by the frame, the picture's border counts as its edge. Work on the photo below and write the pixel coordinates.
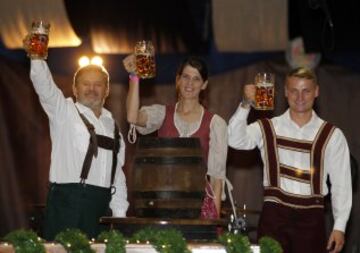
(86, 110)
(313, 121)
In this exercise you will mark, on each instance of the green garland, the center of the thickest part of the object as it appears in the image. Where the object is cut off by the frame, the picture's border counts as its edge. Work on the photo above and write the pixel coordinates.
(144, 235)
(74, 241)
(269, 245)
(25, 241)
(235, 243)
(163, 240)
(115, 242)
(170, 241)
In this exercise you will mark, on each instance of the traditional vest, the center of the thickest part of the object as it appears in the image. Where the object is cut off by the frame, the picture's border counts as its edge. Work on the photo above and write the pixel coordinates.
(168, 128)
(276, 170)
(101, 141)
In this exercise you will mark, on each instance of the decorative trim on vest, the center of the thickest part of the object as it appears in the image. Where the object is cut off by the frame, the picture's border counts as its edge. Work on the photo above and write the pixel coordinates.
(293, 144)
(271, 158)
(317, 155)
(293, 200)
(275, 170)
(296, 174)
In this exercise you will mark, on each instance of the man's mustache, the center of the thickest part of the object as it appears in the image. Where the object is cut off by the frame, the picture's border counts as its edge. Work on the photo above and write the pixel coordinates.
(91, 93)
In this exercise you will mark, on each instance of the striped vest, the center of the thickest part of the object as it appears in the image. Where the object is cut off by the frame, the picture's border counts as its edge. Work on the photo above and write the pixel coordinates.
(277, 170)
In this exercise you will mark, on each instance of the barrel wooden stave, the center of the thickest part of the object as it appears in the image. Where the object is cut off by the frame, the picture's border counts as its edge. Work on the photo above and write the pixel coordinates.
(169, 178)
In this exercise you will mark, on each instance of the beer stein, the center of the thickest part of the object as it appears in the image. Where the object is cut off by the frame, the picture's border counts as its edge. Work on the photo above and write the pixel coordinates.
(264, 98)
(37, 46)
(145, 59)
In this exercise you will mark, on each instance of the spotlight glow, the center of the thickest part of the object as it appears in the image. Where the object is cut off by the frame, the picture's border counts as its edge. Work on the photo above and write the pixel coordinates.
(97, 60)
(83, 61)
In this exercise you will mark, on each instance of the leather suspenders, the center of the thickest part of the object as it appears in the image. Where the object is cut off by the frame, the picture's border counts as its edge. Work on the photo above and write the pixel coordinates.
(101, 141)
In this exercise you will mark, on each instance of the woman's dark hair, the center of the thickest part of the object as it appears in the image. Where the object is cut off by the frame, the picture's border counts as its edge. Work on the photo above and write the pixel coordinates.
(195, 62)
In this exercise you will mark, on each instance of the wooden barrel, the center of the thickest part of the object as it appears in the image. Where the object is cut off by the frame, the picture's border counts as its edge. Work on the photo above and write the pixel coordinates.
(169, 177)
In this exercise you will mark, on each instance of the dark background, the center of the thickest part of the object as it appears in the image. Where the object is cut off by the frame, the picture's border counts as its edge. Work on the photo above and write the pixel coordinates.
(24, 134)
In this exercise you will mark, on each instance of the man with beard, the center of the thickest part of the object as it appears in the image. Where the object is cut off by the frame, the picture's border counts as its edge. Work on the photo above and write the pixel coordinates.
(86, 176)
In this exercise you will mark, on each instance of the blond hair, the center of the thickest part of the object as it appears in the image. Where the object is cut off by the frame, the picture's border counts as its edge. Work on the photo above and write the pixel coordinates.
(303, 73)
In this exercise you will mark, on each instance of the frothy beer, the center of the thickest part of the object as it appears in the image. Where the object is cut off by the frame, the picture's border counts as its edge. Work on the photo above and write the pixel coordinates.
(264, 97)
(39, 46)
(145, 65)
(39, 39)
(145, 59)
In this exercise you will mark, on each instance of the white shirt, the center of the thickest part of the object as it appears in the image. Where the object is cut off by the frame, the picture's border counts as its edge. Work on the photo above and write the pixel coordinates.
(218, 136)
(336, 157)
(70, 139)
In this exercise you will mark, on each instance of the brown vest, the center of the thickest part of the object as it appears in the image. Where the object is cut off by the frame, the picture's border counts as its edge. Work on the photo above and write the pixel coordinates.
(168, 129)
(276, 170)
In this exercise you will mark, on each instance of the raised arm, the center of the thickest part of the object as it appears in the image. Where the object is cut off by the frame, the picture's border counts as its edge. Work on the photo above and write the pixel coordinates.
(134, 115)
(51, 97)
(241, 135)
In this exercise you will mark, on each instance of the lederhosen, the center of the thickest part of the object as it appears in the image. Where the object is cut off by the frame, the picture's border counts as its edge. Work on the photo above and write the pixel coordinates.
(296, 221)
(80, 205)
(168, 129)
(105, 142)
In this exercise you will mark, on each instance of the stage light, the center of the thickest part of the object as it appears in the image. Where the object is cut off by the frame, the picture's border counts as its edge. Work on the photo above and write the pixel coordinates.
(83, 61)
(97, 60)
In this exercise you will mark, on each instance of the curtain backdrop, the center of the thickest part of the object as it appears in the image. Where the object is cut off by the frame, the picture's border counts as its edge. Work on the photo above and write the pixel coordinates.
(174, 26)
(16, 17)
(25, 144)
(250, 25)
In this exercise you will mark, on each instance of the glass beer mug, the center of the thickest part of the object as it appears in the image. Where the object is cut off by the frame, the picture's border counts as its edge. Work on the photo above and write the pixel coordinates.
(264, 97)
(38, 40)
(145, 59)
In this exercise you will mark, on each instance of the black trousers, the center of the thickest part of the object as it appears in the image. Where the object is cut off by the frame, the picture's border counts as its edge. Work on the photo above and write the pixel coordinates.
(75, 206)
(297, 230)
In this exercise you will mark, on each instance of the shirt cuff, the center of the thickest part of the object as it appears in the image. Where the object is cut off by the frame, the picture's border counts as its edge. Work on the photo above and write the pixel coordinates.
(340, 225)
